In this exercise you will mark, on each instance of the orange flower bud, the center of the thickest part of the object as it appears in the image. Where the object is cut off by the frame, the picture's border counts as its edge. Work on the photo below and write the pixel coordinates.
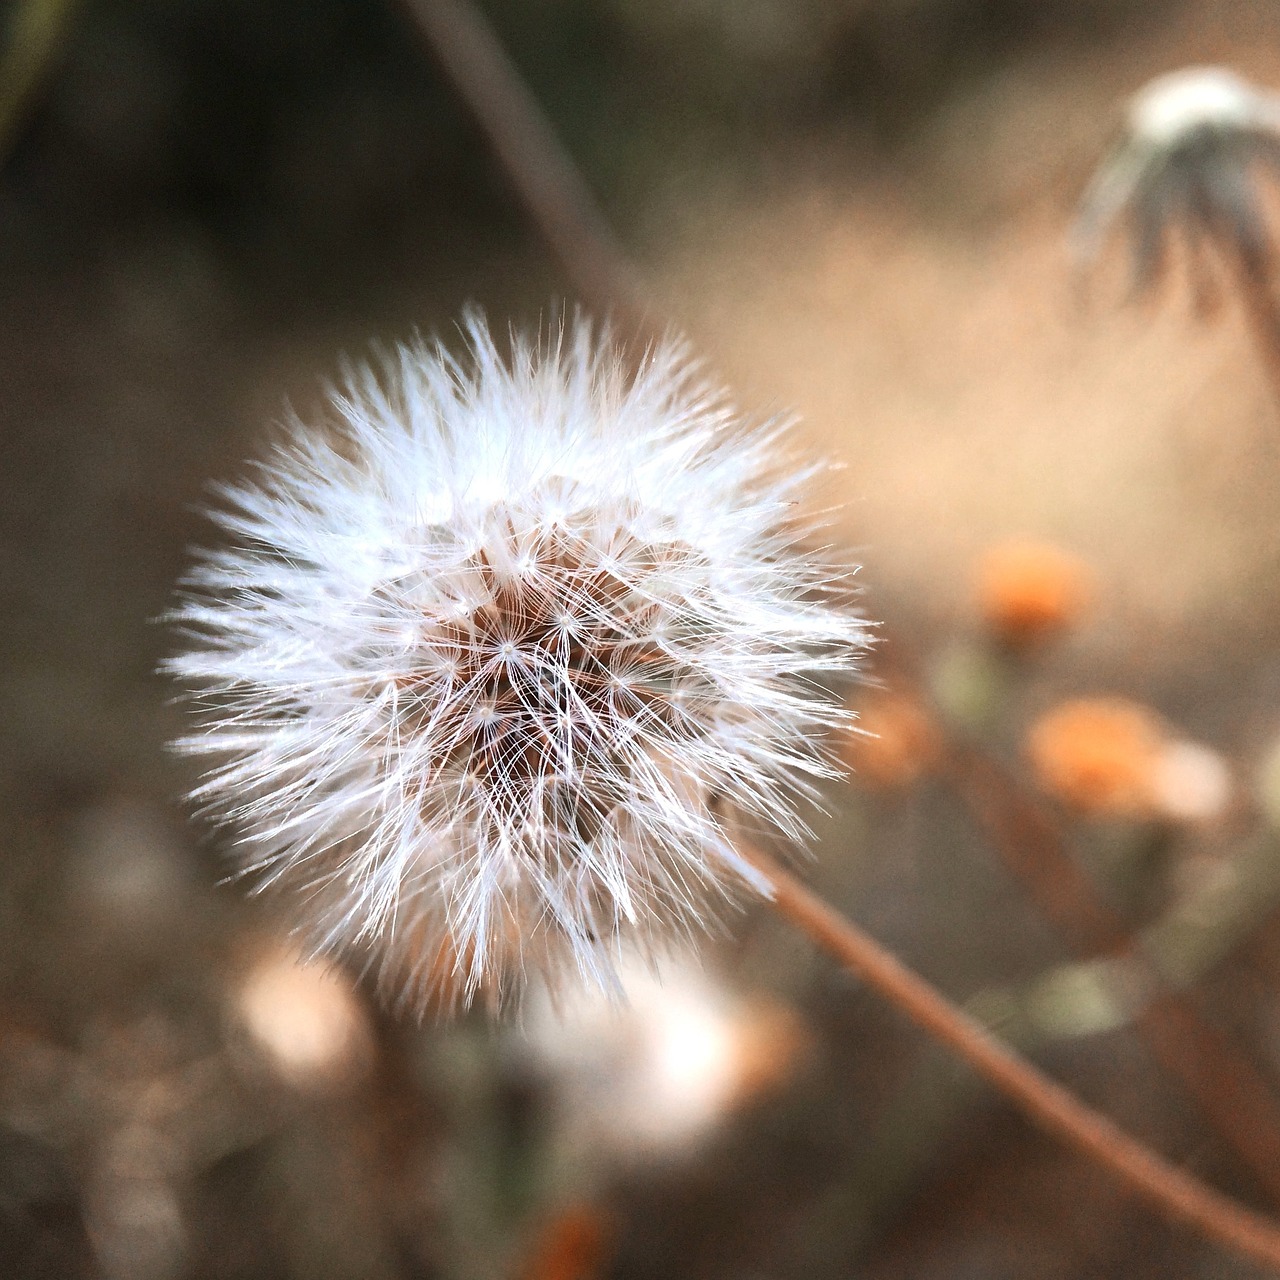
(572, 1245)
(1098, 755)
(1029, 591)
(897, 742)
(1111, 757)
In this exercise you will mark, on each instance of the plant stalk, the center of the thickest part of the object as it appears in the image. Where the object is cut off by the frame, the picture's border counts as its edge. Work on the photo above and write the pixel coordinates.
(1174, 1192)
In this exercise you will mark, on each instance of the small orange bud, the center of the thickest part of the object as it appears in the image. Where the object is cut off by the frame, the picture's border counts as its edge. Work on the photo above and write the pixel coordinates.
(897, 744)
(1114, 758)
(572, 1245)
(1099, 755)
(1030, 591)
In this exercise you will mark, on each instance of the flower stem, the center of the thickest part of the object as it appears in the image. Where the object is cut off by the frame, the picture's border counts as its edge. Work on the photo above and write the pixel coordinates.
(1229, 1088)
(1177, 1194)
(1262, 316)
(536, 163)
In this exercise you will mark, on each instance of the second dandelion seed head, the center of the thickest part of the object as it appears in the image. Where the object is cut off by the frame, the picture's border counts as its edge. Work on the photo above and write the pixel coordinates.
(491, 658)
(1184, 164)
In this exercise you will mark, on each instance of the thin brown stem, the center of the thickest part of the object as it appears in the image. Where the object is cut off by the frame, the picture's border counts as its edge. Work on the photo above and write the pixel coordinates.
(536, 163)
(1261, 313)
(1219, 1074)
(1229, 1088)
(1177, 1194)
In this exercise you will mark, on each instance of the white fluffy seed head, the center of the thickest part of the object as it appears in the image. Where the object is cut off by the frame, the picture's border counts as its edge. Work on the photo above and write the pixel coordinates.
(491, 657)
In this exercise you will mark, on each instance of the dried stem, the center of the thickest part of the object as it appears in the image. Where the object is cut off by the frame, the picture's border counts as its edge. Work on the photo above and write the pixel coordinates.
(1230, 1090)
(1177, 1194)
(1217, 1073)
(1260, 310)
(536, 163)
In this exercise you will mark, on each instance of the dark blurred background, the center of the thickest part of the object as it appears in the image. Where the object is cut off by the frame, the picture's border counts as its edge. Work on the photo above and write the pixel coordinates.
(856, 208)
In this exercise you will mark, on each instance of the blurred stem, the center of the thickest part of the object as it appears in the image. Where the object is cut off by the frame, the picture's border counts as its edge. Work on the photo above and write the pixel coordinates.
(536, 163)
(1262, 315)
(1225, 1083)
(34, 35)
(1169, 956)
(1078, 999)
(1177, 1194)
(1202, 928)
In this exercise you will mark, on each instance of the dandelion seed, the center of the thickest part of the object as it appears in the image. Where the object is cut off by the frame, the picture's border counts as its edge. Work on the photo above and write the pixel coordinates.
(490, 657)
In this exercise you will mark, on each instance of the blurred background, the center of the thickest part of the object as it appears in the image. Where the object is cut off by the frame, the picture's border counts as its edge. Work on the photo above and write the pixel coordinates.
(1066, 508)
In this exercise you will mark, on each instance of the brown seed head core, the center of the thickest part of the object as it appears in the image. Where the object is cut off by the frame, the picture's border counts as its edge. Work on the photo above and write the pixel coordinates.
(553, 661)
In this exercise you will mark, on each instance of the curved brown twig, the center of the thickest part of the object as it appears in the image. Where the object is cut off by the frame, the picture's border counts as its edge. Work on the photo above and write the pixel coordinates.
(1231, 1091)
(1177, 1194)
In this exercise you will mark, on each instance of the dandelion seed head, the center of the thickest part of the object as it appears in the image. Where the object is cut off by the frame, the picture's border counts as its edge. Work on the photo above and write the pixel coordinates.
(486, 661)
(1185, 165)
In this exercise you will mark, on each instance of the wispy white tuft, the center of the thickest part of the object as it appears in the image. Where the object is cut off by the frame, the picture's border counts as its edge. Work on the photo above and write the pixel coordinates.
(493, 655)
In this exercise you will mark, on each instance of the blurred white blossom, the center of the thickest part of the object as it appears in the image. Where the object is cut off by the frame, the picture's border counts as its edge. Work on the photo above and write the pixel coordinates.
(655, 1077)
(492, 655)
